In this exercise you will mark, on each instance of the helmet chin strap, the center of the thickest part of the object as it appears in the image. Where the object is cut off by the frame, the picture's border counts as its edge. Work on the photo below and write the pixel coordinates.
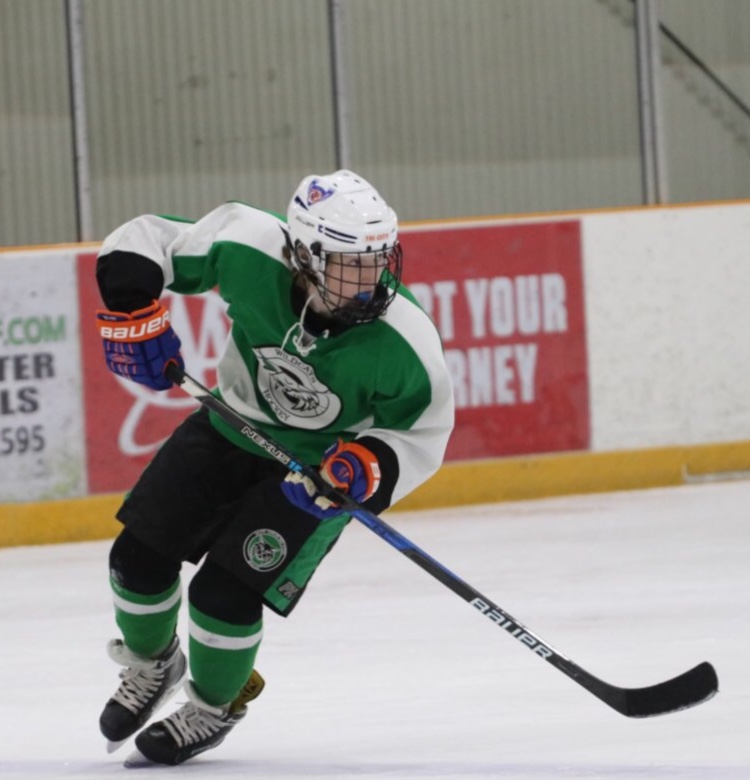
(304, 341)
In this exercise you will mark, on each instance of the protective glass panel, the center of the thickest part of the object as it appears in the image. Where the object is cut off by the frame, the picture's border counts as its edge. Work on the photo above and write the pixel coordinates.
(37, 203)
(705, 50)
(192, 103)
(493, 106)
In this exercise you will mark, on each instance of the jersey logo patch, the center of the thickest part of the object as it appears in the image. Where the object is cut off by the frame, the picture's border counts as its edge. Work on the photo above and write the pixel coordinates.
(293, 391)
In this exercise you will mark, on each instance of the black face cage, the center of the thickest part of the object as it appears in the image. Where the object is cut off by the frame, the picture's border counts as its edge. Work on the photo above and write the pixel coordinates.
(364, 306)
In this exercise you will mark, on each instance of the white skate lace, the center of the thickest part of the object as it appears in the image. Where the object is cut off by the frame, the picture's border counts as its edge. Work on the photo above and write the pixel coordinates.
(138, 687)
(141, 679)
(192, 724)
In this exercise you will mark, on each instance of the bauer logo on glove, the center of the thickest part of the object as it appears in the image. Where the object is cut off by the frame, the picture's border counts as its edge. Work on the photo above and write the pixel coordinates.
(139, 331)
(140, 345)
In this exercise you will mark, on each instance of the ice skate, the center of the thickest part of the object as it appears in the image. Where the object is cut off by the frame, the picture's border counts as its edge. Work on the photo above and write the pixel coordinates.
(146, 685)
(196, 727)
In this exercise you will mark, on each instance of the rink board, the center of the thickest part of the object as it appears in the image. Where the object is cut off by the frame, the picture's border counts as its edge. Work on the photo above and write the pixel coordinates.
(456, 484)
(589, 352)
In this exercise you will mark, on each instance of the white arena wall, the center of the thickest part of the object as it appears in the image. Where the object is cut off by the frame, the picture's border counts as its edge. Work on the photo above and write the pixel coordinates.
(658, 354)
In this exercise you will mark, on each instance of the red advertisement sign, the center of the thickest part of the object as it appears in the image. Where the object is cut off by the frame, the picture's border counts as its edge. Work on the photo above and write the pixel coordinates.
(507, 299)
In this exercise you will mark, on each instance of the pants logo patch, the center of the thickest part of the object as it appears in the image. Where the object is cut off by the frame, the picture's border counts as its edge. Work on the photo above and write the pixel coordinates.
(264, 550)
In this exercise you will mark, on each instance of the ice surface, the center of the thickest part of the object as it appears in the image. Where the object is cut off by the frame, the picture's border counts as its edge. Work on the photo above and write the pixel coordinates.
(382, 672)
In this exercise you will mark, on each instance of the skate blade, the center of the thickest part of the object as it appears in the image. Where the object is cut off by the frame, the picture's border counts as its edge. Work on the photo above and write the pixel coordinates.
(136, 760)
(112, 746)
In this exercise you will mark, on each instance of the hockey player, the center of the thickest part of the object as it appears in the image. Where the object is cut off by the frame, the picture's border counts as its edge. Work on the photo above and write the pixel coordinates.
(332, 356)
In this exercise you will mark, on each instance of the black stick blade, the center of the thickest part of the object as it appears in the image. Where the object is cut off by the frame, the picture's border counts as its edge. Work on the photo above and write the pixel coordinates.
(686, 690)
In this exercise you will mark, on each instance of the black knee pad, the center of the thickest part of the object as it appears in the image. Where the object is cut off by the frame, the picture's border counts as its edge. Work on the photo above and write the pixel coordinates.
(137, 567)
(221, 595)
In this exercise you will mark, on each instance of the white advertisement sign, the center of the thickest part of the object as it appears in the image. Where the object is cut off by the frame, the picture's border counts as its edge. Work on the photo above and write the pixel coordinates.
(41, 421)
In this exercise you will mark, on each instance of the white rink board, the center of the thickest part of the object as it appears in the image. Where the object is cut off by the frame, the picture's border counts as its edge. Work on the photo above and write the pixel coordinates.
(42, 453)
(668, 321)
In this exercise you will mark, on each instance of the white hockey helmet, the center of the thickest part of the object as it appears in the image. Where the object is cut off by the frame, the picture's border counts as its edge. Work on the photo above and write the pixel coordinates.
(343, 213)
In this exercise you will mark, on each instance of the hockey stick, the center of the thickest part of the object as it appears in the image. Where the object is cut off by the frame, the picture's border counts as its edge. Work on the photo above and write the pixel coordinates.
(686, 690)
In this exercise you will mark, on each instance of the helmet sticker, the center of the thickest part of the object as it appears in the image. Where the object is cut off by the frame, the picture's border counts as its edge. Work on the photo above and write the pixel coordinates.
(317, 193)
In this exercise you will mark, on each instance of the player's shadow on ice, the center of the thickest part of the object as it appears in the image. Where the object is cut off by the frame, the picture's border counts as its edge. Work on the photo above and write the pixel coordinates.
(290, 770)
(352, 770)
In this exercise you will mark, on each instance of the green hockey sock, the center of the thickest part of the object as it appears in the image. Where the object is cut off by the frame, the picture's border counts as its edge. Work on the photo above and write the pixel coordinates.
(222, 656)
(148, 623)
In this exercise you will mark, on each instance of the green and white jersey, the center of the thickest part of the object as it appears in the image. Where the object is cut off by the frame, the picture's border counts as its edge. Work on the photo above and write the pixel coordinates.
(386, 379)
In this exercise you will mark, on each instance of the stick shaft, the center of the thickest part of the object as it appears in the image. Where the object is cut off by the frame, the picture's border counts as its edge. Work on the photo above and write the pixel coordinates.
(686, 690)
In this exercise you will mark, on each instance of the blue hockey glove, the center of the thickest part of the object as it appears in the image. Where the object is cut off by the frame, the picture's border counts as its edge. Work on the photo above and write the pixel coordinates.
(350, 468)
(139, 346)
